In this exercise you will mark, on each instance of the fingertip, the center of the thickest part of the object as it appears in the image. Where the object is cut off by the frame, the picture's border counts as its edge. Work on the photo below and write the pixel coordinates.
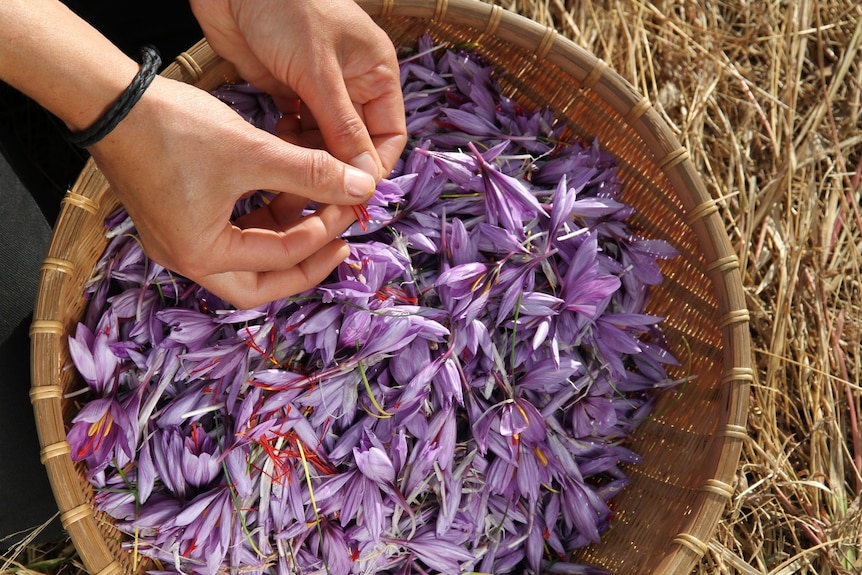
(343, 250)
(390, 148)
(359, 183)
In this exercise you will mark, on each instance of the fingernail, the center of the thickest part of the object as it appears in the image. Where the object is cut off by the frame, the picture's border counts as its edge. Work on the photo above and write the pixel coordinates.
(366, 163)
(358, 183)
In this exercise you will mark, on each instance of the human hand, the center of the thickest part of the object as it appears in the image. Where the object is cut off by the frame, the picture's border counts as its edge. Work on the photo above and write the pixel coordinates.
(181, 160)
(331, 70)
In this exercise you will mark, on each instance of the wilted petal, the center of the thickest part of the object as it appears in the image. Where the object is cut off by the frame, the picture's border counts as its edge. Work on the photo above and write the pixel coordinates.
(463, 279)
(167, 453)
(508, 201)
(470, 123)
(93, 356)
(578, 510)
(447, 384)
(188, 326)
(548, 377)
(458, 167)
(375, 464)
(335, 550)
(539, 304)
(584, 287)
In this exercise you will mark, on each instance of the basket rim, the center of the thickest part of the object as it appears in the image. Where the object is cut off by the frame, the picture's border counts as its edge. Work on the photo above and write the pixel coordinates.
(201, 66)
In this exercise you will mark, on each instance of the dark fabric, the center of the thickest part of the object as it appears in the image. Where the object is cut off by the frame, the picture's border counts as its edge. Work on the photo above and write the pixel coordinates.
(24, 237)
(26, 501)
(32, 144)
(169, 25)
(36, 168)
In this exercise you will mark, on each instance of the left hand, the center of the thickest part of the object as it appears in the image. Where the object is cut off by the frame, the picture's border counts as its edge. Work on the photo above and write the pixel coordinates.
(180, 161)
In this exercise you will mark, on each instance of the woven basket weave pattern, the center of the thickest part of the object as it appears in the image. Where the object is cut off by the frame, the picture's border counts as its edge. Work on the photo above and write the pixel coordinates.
(690, 447)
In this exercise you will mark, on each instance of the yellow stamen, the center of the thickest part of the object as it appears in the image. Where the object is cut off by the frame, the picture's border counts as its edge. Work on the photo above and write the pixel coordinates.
(478, 282)
(524, 413)
(551, 489)
(308, 479)
(135, 550)
(110, 422)
(541, 455)
(105, 420)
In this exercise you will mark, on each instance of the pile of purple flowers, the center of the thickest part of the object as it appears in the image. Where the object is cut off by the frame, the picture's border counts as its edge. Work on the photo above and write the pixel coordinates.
(455, 398)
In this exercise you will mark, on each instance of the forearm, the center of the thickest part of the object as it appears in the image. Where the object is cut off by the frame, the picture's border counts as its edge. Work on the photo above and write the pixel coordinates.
(63, 63)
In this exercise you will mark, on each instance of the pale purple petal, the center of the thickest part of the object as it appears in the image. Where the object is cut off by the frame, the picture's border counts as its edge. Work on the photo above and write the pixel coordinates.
(375, 465)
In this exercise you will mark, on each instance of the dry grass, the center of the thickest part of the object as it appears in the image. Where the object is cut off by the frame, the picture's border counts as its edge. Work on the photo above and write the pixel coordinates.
(768, 99)
(57, 558)
(766, 96)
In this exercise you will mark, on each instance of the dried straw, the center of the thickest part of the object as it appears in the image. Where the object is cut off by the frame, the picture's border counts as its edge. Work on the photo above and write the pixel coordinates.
(767, 97)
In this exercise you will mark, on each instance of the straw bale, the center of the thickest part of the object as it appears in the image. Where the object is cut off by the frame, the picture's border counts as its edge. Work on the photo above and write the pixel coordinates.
(766, 96)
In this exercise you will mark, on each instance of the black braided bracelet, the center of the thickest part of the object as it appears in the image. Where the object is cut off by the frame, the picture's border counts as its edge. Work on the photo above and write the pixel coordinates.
(150, 62)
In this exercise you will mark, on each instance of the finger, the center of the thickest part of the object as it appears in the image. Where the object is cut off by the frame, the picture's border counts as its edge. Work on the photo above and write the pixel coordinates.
(362, 122)
(389, 148)
(275, 164)
(262, 249)
(250, 289)
(343, 129)
(385, 120)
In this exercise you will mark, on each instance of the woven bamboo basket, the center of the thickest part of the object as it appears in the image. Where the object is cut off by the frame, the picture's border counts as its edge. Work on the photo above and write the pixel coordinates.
(690, 447)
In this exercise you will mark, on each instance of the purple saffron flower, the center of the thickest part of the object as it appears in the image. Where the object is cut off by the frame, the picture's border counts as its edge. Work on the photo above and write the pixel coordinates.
(203, 531)
(200, 460)
(508, 201)
(375, 464)
(437, 552)
(585, 289)
(167, 447)
(188, 327)
(101, 432)
(93, 355)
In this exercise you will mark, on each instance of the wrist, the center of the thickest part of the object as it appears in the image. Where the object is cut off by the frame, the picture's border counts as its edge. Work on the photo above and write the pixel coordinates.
(120, 108)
